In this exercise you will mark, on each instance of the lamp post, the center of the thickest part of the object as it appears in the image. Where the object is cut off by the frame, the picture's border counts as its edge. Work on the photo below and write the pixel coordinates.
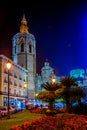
(8, 65)
(36, 100)
(53, 79)
(25, 86)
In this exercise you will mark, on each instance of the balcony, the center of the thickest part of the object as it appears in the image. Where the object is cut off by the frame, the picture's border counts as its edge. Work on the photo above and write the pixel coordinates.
(12, 94)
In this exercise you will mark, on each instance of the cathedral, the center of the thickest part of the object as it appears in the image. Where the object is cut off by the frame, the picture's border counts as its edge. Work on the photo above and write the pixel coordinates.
(23, 70)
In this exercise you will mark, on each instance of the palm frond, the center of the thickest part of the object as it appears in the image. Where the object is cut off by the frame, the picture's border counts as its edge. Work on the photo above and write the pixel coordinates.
(51, 86)
(69, 81)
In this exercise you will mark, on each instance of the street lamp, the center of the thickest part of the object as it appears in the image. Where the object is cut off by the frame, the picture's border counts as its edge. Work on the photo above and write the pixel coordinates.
(36, 103)
(26, 87)
(53, 79)
(8, 65)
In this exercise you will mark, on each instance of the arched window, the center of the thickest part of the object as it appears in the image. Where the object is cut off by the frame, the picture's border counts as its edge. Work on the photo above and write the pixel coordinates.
(22, 47)
(30, 48)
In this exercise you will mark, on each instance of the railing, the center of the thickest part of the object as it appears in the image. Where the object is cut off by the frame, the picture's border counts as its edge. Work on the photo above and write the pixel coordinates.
(12, 94)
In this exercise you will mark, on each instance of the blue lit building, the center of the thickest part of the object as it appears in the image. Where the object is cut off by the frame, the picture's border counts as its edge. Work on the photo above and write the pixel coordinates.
(81, 76)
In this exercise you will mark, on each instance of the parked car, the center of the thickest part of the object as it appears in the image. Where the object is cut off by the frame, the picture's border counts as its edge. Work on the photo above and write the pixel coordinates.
(29, 106)
(3, 111)
(15, 109)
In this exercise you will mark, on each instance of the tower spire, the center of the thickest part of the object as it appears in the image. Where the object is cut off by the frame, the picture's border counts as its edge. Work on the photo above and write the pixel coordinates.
(24, 27)
(23, 16)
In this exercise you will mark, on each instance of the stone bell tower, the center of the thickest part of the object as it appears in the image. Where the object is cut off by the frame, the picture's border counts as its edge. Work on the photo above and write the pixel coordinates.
(24, 54)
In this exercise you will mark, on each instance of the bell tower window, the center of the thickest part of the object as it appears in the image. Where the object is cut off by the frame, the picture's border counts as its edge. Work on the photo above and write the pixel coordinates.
(30, 48)
(22, 47)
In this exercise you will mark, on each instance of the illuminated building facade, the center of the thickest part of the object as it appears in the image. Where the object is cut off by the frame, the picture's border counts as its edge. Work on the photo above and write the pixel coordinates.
(81, 76)
(17, 79)
(78, 74)
(24, 54)
(46, 73)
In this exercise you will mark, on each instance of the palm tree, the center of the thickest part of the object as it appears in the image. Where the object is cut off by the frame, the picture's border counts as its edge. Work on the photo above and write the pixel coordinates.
(77, 93)
(49, 93)
(71, 91)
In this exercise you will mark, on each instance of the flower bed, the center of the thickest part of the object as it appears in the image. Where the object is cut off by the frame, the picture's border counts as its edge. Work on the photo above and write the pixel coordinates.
(59, 122)
(38, 110)
(45, 111)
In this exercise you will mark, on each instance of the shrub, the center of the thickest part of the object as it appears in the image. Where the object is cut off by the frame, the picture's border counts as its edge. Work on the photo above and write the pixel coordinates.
(62, 121)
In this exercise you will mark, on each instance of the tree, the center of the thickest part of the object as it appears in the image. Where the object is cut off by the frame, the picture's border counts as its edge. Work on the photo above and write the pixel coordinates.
(71, 91)
(49, 94)
(77, 92)
(67, 89)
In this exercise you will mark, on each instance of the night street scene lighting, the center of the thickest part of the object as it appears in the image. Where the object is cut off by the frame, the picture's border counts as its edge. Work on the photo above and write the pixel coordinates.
(8, 66)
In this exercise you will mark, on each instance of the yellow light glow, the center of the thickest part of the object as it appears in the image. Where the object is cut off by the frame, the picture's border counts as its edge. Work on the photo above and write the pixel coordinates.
(25, 85)
(53, 79)
(8, 65)
(36, 94)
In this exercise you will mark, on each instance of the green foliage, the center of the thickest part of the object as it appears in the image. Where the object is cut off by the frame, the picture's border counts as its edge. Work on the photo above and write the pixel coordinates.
(76, 93)
(51, 86)
(71, 91)
(67, 89)
(47, 95)
(69, 81)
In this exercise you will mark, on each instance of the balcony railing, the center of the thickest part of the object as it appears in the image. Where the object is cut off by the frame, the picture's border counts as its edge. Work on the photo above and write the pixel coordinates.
(12, 94)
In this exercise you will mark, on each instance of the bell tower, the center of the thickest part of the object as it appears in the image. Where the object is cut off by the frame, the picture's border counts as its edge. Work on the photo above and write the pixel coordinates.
(24, 54)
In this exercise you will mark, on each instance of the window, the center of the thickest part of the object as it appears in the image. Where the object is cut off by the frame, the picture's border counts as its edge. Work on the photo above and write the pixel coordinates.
(22, 65)
(10, 90)
(15, 75)
(15, 84)
(19, 93)
(5, 71)
(5, 80)
(22, 47)
(24, 93)
(20, 77)
(30, 48)
(4, 89)
(14, 91)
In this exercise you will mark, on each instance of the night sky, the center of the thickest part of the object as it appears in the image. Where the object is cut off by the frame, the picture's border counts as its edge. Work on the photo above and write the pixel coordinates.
(59, 27)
